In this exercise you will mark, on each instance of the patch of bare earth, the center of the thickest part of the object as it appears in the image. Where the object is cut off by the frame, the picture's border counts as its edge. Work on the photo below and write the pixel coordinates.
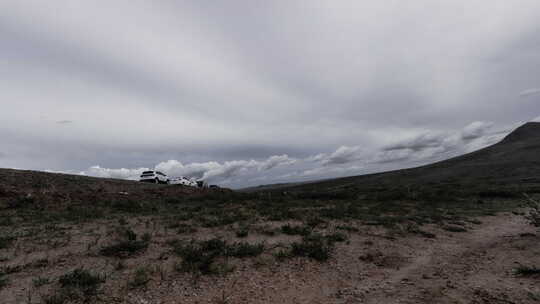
(373, 266)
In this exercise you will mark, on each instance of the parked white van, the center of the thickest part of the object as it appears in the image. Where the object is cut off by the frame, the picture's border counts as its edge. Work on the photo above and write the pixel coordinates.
(155, 177)
(182, 180)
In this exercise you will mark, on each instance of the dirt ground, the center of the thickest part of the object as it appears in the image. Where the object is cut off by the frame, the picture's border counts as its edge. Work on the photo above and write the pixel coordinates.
(373, 266)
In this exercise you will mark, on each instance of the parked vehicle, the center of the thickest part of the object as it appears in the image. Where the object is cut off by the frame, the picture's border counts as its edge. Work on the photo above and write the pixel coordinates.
(155, 177)
(182, 180)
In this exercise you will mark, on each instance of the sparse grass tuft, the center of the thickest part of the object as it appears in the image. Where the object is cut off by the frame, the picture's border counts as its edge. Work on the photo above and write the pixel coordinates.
(6, 241)
(198, 258)
(295, 230)
(454, 228)
(124, 248)
(527, 270)
(40, 281)
(140, 278)
(316, 247)
(243, 249)
(336, 237)
(82, 280)
(3, 280)
(184, 228)
(242, 232)
(347, 228)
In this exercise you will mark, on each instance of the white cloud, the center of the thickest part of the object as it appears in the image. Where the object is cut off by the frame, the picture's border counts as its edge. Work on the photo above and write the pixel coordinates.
(330, 171)
(537, 119)
(122, 173)
(211, 171)
(276, 161)
(418, 142)
(342, 155)
(476, 129)
(316, 158)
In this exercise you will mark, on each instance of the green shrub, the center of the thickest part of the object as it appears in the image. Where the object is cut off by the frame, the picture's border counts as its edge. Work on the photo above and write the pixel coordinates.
(185, 228)
(347, 228)
(3, 280)
(315, 221)
(197, 258)
(59, 297)
(146, 237)
(243, 249)
(40, 281)
(313, 246)
(283, 254)
(21, 202)
(527, 270)
(124, 248)
(454, 228)
(201, 256)
(140, 278)
(295, 230)
(336, 237)
(6, 241)
(242, 232)
(82, 280)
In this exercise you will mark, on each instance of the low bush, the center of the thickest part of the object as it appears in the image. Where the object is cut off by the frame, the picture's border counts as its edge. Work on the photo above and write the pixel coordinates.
(82, 280)
(201, 256)
(243, 249)
(3, 280)
(140, 278)
(454, 228)
(295, 230)
(314, 246)
(6, 241)
(527, 270)
(21, 202)
(198, 258)
(336, 237)
(40, 281)
(242, 232)
(347, 228)
(124, 248)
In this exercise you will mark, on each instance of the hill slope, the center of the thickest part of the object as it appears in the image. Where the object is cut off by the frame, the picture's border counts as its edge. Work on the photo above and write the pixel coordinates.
(54, 190)
(514, 160)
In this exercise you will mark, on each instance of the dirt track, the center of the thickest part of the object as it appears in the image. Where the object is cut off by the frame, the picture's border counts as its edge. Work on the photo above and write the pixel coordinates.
(474, 267)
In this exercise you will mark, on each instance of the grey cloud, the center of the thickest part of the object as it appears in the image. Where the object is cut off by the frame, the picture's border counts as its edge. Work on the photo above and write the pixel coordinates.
(343, 155)
(276, 160)
(529, 92)
(64, 122)
(392, 156)
(476, 129)
(419, 142)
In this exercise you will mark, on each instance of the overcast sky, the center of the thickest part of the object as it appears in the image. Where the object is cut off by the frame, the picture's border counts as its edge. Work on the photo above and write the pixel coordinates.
(254, 92)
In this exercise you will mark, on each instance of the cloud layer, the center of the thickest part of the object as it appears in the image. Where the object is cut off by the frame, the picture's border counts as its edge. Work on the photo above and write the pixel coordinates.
(225, 89)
